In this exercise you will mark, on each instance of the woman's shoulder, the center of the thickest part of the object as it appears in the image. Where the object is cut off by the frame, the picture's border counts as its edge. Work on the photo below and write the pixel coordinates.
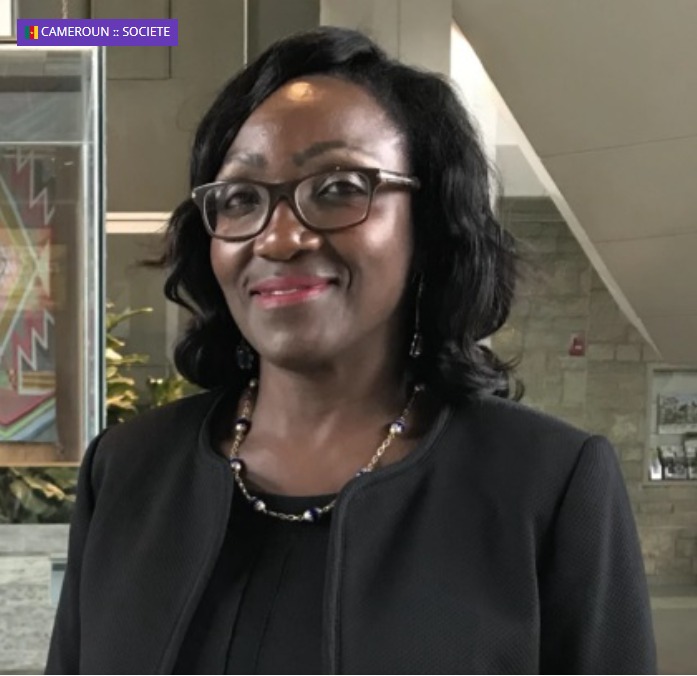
(520, 437)
(524, 460)
(506, 416)
(169, 419)
(160, 433)
(152, 453)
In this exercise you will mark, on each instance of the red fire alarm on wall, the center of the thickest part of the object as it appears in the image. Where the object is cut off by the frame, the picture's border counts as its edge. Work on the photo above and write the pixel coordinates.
(577, 346)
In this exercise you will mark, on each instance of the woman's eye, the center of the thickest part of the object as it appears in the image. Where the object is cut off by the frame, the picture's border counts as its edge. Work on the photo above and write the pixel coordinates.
(239, 199)
(341, 186)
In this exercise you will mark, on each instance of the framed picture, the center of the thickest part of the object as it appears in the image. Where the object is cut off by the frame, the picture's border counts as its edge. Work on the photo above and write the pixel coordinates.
(655, 467)
(673, 461)
(671, 423)
(691, 456)
(27, 295)
(51, 264)
(677, 413)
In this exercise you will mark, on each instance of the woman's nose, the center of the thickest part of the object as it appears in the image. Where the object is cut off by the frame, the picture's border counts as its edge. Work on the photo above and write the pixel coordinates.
(284, 236)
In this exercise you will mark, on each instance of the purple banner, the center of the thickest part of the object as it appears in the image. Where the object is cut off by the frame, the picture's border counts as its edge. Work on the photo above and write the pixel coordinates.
(97, 32)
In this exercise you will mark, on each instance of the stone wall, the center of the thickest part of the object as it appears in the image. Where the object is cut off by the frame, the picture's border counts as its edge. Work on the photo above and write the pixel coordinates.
(28, 590)
(605, 391)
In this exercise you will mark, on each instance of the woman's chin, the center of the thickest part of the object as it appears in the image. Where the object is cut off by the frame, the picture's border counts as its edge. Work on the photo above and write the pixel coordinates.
(301, 357)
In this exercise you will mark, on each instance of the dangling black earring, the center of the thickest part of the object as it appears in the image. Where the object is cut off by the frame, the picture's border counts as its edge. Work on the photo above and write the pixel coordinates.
(417, 342)
(245, 356)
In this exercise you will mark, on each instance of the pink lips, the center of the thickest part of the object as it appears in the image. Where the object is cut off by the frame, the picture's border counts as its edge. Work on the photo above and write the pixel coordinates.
(281, 291)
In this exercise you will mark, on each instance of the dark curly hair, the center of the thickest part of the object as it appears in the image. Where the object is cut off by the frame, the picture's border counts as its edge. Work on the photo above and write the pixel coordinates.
(467, 260)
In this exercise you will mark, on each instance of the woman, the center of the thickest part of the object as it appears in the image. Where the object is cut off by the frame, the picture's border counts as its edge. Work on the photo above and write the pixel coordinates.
(355, 493)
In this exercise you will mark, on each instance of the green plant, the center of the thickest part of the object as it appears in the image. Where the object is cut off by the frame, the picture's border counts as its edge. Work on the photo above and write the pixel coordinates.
(167, 389)
(121, 392)
(47, 494)
(37, 494)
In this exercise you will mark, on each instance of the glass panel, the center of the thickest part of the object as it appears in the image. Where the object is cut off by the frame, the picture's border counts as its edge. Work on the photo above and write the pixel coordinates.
(51, 234)
(150, 324)
(42, 95)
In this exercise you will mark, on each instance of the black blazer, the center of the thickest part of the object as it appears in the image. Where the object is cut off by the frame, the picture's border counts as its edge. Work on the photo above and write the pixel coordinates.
(503, 544)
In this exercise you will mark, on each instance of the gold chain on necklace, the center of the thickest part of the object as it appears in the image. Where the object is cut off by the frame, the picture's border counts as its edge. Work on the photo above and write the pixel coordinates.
(242, 427)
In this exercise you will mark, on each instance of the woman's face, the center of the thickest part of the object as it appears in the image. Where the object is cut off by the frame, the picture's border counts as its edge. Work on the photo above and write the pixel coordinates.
(305, 299)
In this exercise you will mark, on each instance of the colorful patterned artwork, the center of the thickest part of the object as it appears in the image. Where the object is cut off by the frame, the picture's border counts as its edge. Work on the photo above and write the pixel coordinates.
(27, 355)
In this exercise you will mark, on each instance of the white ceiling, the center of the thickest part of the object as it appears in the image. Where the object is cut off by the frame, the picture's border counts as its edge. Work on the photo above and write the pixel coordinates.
(606, 93)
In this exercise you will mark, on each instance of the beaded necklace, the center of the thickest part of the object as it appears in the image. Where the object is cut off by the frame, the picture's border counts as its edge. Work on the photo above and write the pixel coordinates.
(242, 427)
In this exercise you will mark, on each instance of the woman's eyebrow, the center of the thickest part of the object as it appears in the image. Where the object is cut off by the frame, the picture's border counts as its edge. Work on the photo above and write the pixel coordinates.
(322, 147)
(317, 149)
(256, 160)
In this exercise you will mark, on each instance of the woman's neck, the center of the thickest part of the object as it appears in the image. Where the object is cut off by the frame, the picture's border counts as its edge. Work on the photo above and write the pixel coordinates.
(321, 402)
(310, 435)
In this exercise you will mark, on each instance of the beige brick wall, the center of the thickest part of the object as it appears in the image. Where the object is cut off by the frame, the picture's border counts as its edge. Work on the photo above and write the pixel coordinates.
(605, 391)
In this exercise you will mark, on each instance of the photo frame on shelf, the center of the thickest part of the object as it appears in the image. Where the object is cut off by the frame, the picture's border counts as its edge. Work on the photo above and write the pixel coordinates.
(677, 413)
(655, 467)
(673, 461)
(691, 456)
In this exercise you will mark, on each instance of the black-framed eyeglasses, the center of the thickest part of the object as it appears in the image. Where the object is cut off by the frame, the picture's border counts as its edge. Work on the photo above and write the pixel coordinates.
(238, 210)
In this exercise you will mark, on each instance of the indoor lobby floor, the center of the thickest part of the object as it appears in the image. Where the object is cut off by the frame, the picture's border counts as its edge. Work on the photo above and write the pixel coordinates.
(675, 624)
